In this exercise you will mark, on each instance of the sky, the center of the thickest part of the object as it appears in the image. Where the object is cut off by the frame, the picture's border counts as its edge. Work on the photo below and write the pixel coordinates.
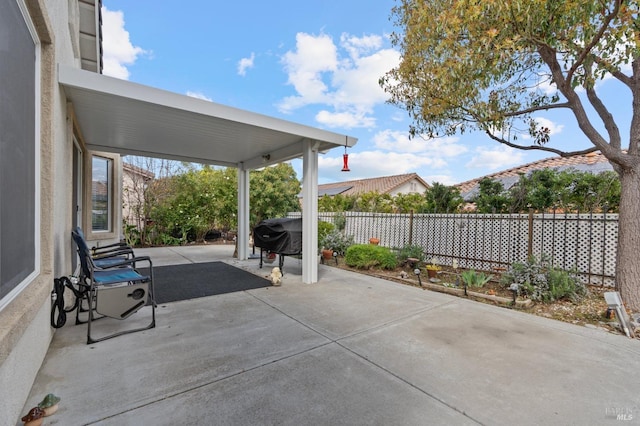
(313, 62)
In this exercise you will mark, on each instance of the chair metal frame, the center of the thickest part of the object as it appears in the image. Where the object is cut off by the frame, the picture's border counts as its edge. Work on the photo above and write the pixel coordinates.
(114, 275)
(103, 257)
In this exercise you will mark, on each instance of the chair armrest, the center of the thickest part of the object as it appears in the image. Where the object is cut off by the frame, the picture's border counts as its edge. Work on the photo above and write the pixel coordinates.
(130, 262)
(114, 253)
(95, 250)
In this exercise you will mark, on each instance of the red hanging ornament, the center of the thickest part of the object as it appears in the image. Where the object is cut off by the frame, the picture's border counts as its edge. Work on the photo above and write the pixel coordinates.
(345, 160)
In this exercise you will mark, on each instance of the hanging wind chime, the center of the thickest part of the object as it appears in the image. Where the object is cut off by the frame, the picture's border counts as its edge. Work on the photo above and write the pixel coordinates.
(345, 157)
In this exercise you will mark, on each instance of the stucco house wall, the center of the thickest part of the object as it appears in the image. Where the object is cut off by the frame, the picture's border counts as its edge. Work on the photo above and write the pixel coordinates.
(25, 330)
(413, 186)
(134, 184)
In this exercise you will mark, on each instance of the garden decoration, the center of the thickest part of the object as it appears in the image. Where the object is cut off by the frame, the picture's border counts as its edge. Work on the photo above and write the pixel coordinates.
(454, 265)
(417, 272)
(345, 161)
(34, 417)
(49, 404)
(614, 302)
(514, 289)
(413, 261)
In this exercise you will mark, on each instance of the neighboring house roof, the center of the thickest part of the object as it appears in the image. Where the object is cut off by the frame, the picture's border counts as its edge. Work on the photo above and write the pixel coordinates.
(130, 168)
(381, 185)
(593, 162)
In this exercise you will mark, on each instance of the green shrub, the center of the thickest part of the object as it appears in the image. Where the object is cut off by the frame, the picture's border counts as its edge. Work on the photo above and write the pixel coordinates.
(367, 256)
(541, 282)
(474, 279)
(413, 251)
(337, 241)
(131, 234)
(324, 228)
(340, 221)
(565, 285)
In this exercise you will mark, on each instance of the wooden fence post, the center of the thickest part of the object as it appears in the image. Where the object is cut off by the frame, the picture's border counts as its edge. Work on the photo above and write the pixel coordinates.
(411, 227)
(530, 239)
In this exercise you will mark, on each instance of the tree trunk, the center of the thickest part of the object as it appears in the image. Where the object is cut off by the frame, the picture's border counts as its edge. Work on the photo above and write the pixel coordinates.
(628, 255)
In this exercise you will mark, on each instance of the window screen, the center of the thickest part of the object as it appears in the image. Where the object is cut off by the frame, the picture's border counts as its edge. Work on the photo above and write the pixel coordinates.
(17, 148)
(101, 177)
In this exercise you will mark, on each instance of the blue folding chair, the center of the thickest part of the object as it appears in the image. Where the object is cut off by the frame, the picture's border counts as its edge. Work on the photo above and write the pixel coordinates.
(105, 255)
(114, 287)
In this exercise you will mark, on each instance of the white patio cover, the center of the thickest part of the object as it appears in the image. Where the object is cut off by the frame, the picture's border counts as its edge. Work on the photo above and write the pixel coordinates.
(132, 119)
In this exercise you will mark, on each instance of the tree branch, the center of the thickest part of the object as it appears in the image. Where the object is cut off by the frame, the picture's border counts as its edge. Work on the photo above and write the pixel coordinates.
(539, 147)
(587, 49)
(540, 108)
(617, 74)
(548, 55)
(605, 115)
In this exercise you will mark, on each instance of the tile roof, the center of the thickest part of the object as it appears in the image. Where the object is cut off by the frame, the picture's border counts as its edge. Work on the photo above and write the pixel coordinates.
(593, 162)
(382, 185)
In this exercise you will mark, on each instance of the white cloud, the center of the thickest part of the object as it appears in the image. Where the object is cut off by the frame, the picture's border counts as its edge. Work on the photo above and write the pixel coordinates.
(399, 141)
(118, 51)
(245, 63)
(554, 128)
(347, 85)
(345, 119)
(313, 56)
(199, 95)
(356, 83)
(495, 158)
(443, 179)
(356, 46)
(394, 154)
(376, 163)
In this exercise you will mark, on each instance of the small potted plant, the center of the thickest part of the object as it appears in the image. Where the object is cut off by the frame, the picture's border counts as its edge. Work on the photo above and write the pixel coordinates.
(336, 241)
(324, 229)
(327, 253)
(432, 268)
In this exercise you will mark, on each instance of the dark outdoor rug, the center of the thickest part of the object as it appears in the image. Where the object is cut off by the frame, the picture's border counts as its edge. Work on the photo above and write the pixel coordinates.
(193, 280)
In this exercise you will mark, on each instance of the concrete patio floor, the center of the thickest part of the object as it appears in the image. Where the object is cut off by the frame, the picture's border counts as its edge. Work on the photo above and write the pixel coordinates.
(349, 350)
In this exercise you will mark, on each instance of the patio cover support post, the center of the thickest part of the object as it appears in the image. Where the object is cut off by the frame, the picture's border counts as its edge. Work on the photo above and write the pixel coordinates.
(309, 212)
(243, 212)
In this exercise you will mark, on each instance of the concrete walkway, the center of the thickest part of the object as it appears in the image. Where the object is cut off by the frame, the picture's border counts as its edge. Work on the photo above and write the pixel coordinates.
(349, 350)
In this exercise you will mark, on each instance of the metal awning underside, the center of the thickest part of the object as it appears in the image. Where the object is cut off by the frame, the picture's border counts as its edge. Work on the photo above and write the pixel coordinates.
(132, 119)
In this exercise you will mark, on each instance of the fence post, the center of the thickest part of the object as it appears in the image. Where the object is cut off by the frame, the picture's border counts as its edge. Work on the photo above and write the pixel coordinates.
(530, 240)
(411, 227)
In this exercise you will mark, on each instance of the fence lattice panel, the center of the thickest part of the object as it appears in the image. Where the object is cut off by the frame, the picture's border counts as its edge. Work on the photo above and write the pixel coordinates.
(583, 242)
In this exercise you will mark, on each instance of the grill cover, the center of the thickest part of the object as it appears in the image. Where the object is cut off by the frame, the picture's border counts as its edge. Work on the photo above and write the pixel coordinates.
(281, 236)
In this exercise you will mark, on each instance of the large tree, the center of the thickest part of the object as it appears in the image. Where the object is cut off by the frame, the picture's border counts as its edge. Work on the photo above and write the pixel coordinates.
(274, 192)
(442, 198)
(489, 65)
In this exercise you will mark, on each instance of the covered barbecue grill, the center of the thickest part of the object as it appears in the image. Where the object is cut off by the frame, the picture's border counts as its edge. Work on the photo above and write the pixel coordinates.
(278, 236)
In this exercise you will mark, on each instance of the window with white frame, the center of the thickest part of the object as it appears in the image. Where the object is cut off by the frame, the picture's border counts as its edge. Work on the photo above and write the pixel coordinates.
(101, 194)
(19, 150)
